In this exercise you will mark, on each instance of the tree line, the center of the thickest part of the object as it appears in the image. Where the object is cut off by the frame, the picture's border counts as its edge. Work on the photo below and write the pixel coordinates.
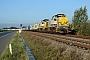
(80, 23)
(11, 28)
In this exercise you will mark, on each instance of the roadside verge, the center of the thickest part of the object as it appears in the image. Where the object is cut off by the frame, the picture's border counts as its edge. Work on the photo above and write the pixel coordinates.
(18, 50)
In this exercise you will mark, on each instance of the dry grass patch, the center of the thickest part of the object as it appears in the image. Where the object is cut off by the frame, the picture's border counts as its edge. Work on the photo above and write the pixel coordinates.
(72, 54)
(46, 49)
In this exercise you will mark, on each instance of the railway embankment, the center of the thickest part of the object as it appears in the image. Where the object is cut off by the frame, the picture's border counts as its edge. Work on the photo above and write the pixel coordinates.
(45, 48)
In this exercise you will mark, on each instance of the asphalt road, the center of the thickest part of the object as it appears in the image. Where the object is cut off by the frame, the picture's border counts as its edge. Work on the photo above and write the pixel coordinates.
(5, 39)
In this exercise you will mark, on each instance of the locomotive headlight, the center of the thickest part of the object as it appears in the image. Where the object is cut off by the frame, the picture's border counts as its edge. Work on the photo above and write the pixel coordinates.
(63, 27)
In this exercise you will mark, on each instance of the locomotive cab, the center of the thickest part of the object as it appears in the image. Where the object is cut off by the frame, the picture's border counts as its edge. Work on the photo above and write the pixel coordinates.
(62, 23)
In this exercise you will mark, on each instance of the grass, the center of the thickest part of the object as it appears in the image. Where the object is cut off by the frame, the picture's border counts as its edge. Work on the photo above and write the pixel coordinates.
(40, 49)
(18, 50)
(46, 49)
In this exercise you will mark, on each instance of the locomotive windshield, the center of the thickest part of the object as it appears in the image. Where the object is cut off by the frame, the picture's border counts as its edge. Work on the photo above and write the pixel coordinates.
(61, 15)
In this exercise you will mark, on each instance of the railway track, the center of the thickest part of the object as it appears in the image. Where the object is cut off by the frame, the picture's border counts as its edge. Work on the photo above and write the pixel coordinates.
(78, 36)
(70, 40)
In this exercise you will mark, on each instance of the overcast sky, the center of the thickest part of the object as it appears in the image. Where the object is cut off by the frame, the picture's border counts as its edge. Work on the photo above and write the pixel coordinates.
(26, 12)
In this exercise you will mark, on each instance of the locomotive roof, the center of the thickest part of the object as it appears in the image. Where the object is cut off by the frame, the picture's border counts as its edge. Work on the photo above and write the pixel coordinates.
(45, 20)
(59, 15)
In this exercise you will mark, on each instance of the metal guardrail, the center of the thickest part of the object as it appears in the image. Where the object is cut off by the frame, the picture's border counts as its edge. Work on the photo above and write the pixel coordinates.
(30, 55)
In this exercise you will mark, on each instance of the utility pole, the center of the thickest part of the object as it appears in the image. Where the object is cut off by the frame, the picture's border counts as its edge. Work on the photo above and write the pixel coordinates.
(20, 30)
(21, 26)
